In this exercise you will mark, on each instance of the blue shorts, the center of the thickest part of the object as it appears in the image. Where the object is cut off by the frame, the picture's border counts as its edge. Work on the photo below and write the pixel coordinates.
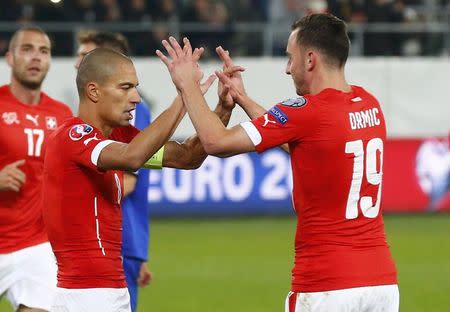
(132, 267)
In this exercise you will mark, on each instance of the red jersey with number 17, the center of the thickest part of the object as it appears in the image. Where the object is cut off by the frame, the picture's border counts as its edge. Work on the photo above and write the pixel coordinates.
(82, 206)
(336, 144)
(24, 130)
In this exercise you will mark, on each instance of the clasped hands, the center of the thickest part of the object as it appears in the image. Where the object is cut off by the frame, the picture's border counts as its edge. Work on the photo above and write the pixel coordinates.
(182, 63)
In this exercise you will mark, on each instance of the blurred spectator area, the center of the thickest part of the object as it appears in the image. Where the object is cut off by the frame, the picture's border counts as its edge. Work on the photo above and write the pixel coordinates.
(245, 27)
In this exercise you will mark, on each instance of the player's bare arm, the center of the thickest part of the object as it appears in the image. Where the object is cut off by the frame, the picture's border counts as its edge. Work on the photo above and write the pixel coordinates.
(11, 177)
(190, 154)
(133, 155)
(216, 139)
(234, 81)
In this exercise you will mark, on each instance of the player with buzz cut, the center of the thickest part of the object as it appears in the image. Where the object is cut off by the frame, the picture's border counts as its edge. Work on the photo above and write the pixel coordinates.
(83, 184)
(186, 155)
(27, 118)
(342, 260)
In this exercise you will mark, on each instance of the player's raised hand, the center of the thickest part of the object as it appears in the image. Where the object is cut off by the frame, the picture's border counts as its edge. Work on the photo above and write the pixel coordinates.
(182, 64)
(238, 88)
(11, 177)
(224, 91)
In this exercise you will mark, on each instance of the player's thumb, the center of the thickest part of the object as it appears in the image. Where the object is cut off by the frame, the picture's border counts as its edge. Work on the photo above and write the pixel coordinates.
(18, 163)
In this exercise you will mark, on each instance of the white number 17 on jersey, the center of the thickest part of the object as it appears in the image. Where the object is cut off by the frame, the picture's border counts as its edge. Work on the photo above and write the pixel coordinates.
(368, 208)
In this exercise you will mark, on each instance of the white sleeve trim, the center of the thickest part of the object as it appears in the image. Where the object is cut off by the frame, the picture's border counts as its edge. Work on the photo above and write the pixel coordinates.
(252, 132)
(98, 149)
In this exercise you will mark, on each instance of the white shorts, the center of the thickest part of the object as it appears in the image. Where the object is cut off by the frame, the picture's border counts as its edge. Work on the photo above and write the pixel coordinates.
(28, 276)
(92, 299)
(361, 299)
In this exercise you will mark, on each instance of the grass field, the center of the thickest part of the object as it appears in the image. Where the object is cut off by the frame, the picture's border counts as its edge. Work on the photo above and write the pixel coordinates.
(244, 264)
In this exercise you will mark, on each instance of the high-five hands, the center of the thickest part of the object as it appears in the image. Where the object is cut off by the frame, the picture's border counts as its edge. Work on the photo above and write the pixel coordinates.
(184, 69)
(230, 77)
(182, 66)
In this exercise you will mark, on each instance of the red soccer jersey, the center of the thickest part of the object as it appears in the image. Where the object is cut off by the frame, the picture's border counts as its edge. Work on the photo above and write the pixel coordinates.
(336, 145)
(24, 130)
(82, 211)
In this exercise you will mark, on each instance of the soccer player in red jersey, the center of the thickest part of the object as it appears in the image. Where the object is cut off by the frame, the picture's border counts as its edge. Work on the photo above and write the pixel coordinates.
(28, 117)
(336, 133)
(83, 179)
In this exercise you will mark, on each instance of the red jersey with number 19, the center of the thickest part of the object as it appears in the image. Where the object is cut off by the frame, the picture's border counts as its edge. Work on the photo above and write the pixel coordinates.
(336, 144)
(82, 211)
(24, 130)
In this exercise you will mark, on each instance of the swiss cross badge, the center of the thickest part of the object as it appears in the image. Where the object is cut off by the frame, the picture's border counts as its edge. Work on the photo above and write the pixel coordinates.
(51, 122)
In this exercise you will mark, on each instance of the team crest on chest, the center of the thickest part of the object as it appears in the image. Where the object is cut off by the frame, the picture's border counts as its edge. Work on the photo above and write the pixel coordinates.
(77, 132)
(51, 122)
(295, 102)
(10, 118)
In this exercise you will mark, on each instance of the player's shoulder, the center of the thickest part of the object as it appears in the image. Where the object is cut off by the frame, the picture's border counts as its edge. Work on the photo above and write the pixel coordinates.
(363, 93)
(293, 108)
(72, 130)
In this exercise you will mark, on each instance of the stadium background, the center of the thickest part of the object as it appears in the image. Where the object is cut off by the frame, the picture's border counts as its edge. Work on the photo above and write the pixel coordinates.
(222, 236)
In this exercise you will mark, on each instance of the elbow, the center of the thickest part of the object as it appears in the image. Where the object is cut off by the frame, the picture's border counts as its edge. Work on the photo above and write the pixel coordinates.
(214, 148)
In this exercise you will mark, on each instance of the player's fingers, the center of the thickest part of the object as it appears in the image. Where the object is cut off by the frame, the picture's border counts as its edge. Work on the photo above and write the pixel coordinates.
(163, 58)
(231, 70)
(169, 49)
(224, 56)
(18, 175)
(197, 53)
(13, 185)
(187, 47)
(18, 163)
(176, 46)
(207, 84)
(224, 91)
(223, 78)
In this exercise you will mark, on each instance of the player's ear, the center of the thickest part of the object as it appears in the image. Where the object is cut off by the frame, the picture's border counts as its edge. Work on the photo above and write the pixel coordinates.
(9, 58)
(92, 91)
(310, 59)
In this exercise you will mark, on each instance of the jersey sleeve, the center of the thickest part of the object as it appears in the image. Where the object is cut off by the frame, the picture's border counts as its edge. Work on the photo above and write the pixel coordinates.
(281, 124)
(83, 144)
(124, 134)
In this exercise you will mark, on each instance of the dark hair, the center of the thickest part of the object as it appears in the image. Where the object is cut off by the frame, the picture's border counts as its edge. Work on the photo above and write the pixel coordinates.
(327, 33)
(99, 65)
(103, 39)
(12, 41)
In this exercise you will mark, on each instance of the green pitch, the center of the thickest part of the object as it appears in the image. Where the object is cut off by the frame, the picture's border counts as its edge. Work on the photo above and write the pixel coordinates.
(244, 264)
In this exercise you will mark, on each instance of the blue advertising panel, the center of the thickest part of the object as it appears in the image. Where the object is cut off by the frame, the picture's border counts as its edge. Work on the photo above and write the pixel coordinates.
(244, 184)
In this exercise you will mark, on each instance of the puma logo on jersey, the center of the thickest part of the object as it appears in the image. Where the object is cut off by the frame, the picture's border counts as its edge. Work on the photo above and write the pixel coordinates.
(364, 119)
(86, 142)
(33, 119)
(267, 120)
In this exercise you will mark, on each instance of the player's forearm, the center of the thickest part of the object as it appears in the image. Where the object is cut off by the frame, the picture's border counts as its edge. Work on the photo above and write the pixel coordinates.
(190, 154)
(208, 125)
(251, 108)
(152, 138)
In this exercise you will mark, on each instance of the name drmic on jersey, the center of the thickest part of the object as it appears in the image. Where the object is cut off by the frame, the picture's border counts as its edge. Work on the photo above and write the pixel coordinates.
(364, 119)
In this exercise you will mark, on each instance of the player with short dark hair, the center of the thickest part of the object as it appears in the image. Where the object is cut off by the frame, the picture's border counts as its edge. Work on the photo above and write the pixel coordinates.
(90, 153)
(28, 117)
(135, 213)
(336, 134)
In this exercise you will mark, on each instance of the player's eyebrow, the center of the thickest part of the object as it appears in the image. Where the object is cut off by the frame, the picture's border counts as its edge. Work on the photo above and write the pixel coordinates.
(128, 84)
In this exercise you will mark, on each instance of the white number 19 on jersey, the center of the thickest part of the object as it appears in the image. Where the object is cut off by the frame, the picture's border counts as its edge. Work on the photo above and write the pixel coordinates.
(368, 208)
